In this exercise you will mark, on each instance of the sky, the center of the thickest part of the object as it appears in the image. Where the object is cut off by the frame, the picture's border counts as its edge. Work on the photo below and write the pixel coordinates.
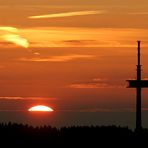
(74, 56)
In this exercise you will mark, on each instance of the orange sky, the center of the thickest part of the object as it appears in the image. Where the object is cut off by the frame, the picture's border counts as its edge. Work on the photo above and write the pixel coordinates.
(71, 55)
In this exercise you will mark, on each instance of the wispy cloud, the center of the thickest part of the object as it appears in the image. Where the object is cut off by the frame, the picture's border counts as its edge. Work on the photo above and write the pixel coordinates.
(67, 14)
(64, 58)
(26, 98)
(94, 84)
(79, 42)
(11, 34)
(89, 86)
(9, 29)
(16, 39)
(11, 98)
(100, 109)
(138, 13)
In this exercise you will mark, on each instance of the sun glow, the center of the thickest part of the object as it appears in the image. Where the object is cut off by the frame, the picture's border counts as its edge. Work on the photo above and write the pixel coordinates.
(41, 108)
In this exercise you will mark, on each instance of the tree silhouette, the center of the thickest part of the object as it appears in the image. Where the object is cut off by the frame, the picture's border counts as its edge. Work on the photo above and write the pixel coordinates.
(19, 135)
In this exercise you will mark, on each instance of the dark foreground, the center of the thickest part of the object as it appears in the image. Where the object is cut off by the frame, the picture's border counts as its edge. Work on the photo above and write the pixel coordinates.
(18, 135)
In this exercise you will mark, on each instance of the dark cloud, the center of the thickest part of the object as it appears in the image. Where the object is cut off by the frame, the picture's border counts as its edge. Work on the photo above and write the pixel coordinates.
(79, 42)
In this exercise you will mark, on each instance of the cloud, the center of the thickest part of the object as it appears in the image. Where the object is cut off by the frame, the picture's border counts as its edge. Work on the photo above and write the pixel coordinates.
(26, 98)
(11, 98)
(138, 13)
(100, 109)
(65, 43)
(67, 14)
(94, 84)
(90, 86)
(9, 29)
(11, 34)
(36, 53)
(84, 37)
(80, 42)
(16, 39)
(64, 58)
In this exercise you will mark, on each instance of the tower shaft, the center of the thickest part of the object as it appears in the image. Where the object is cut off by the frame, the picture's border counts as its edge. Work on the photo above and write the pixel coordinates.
(138, 93)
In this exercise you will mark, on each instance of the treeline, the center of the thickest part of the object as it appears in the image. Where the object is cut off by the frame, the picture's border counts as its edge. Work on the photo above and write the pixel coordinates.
(19, 135)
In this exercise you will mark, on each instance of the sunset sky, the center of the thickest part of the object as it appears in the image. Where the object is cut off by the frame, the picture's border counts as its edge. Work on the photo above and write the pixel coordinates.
(73, 56)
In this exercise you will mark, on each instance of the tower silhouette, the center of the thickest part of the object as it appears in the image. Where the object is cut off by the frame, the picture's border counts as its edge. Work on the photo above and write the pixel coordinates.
(138, 84)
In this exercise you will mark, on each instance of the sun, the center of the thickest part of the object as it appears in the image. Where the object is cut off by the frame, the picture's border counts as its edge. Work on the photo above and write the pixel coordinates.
(41, 108)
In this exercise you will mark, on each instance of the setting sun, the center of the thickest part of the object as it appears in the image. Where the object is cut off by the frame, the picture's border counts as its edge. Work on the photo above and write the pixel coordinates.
(41, 108)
